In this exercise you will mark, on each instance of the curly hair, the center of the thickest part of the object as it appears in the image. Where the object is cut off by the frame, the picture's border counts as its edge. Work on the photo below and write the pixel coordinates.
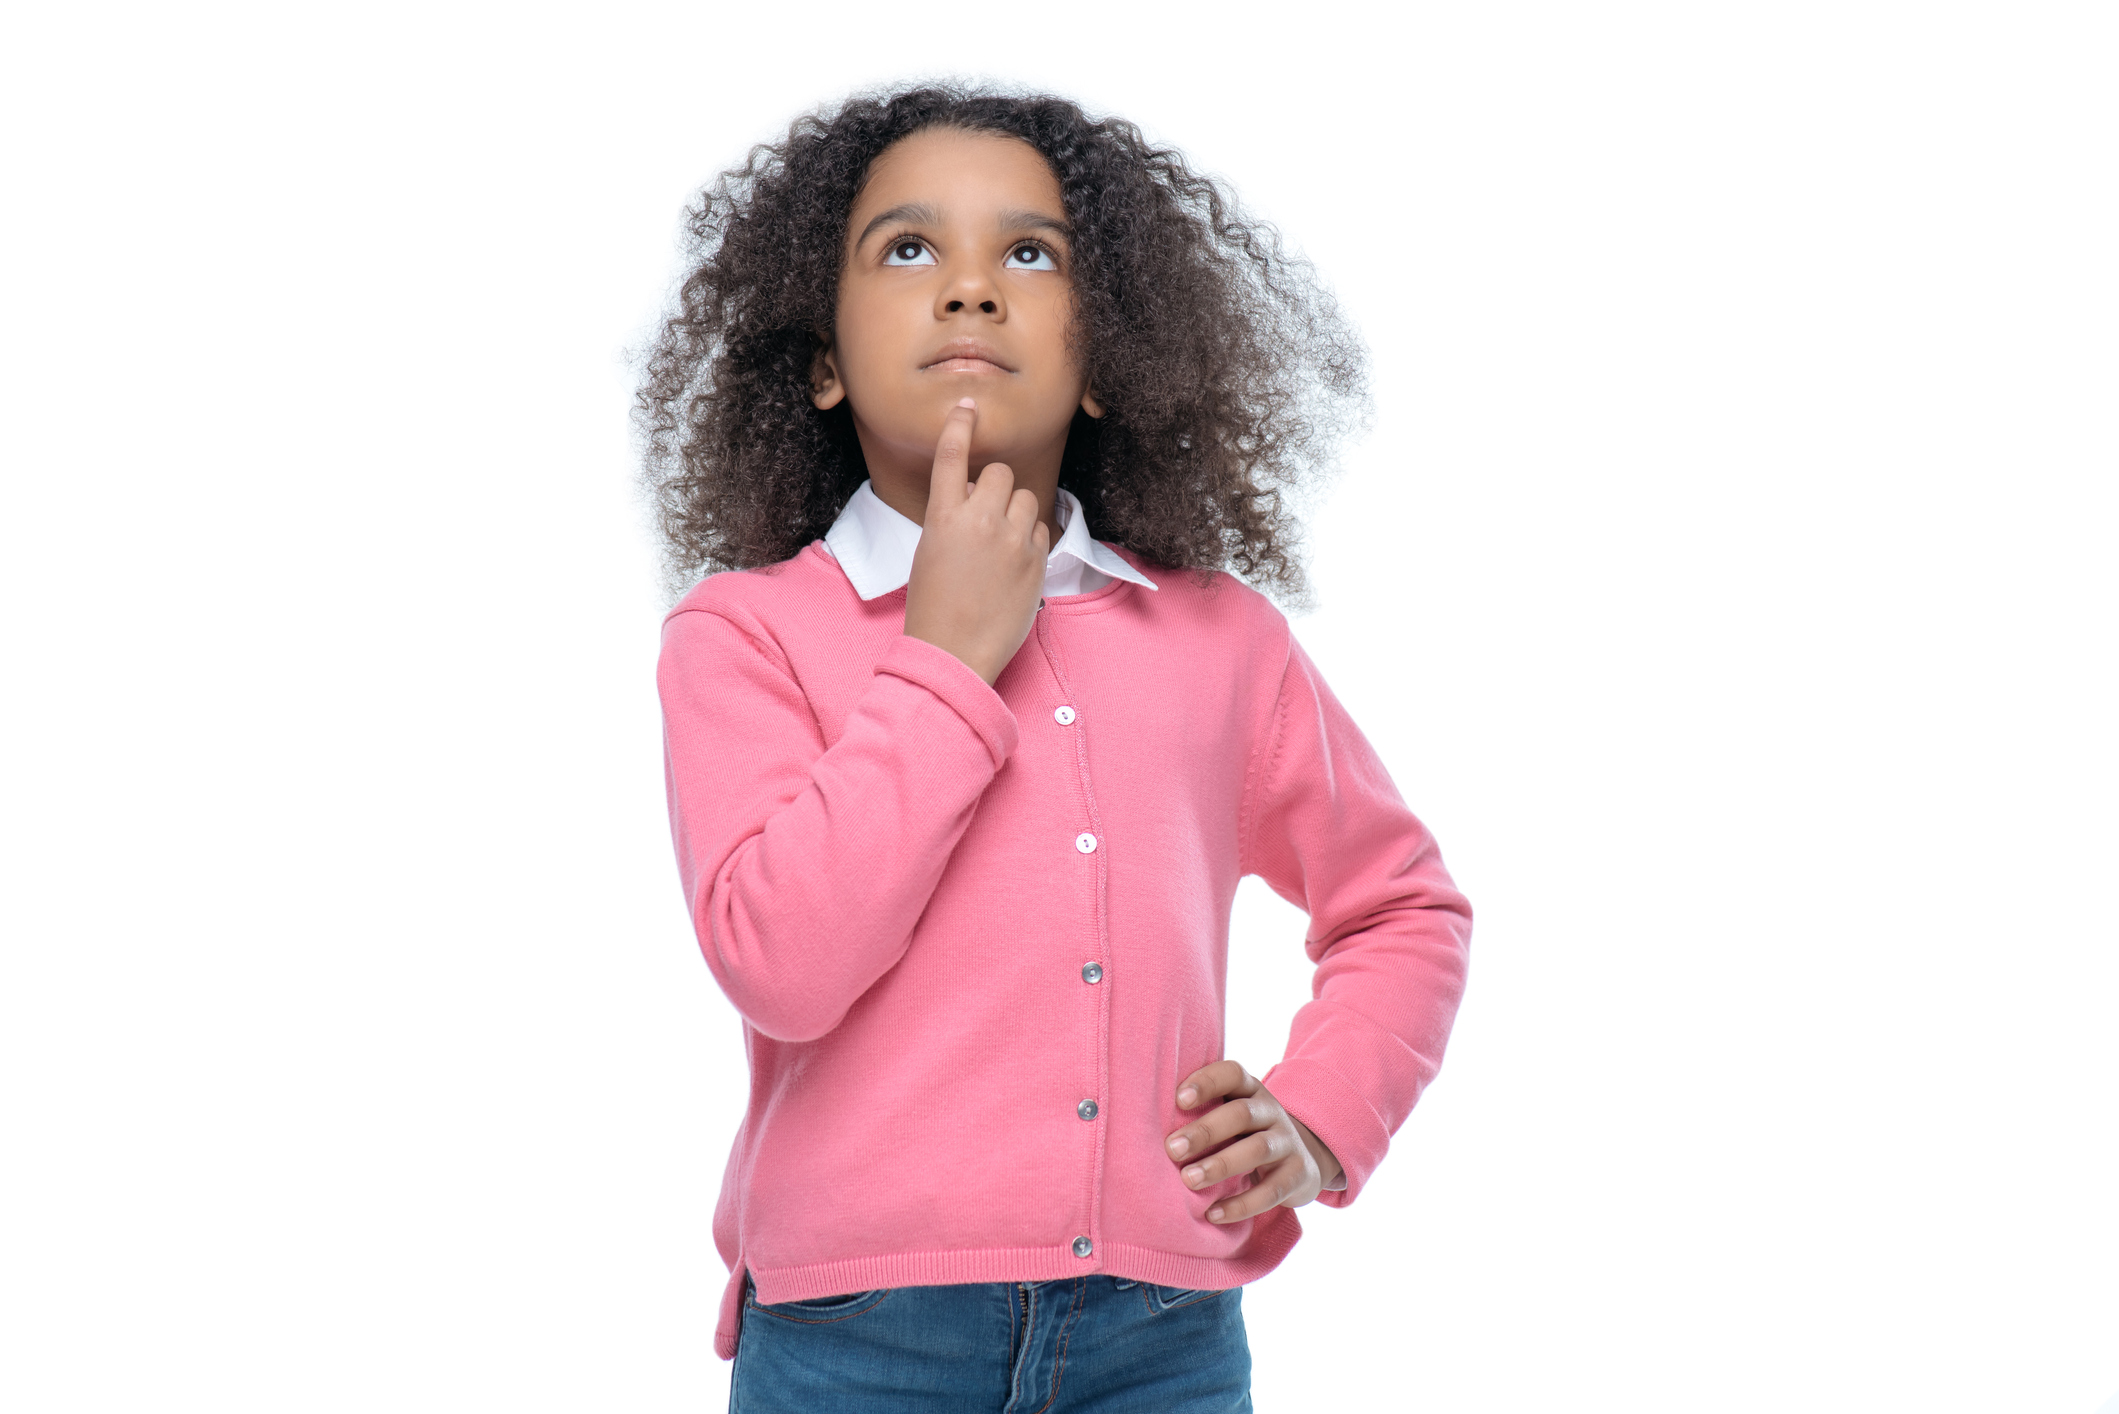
(1225, 369)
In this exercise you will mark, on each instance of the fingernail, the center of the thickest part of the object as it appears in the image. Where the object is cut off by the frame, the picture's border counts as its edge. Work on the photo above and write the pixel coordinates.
(1194, 1174)
(1214, 1213)
(966, 403)
(1179, 1144)
(1187, 1095)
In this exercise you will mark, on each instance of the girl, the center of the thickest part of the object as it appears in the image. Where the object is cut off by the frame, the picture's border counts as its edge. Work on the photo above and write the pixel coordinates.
(962, 792)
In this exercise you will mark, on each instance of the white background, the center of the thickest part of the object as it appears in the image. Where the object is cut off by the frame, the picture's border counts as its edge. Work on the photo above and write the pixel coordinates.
(1728, 580)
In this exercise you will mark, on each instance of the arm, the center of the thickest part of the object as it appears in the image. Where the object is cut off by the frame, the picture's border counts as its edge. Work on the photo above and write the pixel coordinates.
(806, 868)
(1389, 931)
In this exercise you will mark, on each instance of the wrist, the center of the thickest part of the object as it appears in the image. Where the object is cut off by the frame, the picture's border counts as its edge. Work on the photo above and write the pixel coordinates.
(1329, 1169)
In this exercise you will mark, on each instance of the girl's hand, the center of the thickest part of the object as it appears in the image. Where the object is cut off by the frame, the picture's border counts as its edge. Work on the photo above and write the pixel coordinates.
(981, 558)
(1292, 1164)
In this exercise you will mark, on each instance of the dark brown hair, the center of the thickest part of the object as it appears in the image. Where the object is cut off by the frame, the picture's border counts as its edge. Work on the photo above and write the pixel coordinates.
(1225, 370)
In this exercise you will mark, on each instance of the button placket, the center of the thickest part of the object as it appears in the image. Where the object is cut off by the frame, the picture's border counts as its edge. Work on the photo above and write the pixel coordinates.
(1087, 844)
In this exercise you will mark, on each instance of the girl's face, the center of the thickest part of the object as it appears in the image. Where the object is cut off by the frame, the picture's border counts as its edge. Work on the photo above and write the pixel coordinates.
(956, 285)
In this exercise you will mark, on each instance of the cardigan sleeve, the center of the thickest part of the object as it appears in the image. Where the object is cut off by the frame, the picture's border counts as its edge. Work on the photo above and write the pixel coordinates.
(806, 867)
(1388, 931)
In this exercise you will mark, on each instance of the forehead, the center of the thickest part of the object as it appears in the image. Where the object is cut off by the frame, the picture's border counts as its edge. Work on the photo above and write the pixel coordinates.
(962, 175)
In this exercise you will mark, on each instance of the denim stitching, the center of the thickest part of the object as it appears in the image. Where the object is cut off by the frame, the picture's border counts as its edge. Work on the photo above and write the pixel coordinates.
(1015, 1390)
(757, 1305)
(1194, 1294)
(1059, 1371)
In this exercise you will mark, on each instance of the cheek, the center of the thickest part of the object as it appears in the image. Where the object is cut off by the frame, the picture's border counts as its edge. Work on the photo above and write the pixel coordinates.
(1047, 323)
(875, 336)
(853, 337)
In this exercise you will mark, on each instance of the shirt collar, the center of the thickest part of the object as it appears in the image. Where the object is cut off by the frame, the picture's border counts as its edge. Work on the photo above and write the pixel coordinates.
(874, 543)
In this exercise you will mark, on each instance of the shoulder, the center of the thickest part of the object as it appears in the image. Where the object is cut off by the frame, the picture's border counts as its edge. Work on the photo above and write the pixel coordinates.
(767, 603)
(1213, 605)
(787, 590)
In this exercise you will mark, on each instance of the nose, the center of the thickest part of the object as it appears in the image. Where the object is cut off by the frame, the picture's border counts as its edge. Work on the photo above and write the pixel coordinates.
(970, 287)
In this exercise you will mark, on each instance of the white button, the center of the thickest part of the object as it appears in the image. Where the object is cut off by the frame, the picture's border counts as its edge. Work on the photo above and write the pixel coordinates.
(1086, 1109)
(1092, 973)
(1063, 715)
(1085, 842)
(1082, 1247)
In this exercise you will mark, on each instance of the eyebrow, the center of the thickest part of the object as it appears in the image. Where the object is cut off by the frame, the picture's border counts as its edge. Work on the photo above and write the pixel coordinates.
(1035, 220)
(923, 213)
(918, 212)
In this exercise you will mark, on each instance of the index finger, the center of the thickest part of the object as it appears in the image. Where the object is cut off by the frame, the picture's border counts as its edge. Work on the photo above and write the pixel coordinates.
(1214, 1080)
(950, 481)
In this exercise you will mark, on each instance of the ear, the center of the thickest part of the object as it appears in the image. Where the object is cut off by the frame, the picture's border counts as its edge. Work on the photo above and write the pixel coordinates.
(825, 389)
(1090, 405)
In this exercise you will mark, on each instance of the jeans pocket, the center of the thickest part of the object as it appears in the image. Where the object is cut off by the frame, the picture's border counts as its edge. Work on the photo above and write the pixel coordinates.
(1169, 1298)
(817, 1309)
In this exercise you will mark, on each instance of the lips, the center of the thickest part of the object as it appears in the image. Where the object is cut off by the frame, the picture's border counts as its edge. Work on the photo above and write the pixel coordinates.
(967, 356)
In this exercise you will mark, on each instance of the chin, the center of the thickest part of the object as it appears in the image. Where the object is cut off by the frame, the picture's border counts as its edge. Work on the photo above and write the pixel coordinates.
(998, 417)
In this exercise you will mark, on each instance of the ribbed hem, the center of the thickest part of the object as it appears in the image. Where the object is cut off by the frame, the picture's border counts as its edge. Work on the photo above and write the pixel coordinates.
(1337, 1114)
(1273, 1234)
(950, 678)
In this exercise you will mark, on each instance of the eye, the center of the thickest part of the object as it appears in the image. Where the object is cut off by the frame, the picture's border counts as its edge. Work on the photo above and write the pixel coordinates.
(1030, 256)
(908, 251)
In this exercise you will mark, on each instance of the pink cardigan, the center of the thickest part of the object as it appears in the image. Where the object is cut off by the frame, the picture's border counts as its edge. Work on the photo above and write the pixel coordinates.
(979, 934)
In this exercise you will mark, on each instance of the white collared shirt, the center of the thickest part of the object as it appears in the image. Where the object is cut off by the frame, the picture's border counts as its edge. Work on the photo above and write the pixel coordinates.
(874, 543)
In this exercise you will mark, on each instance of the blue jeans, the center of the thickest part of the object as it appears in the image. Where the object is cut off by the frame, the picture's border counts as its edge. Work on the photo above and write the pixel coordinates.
(1076, 1345)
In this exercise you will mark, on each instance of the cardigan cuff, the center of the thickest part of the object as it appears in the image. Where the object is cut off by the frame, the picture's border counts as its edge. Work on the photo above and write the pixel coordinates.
(1337, 1114)
(950, 678)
